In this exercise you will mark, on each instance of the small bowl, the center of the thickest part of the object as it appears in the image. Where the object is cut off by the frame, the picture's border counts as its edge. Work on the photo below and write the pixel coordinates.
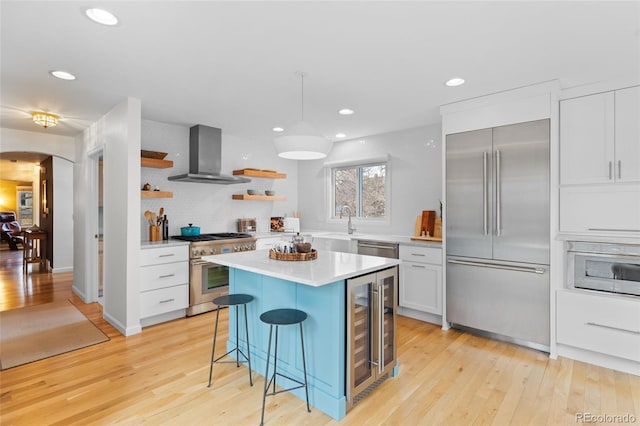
(270, 192)
(252, 191)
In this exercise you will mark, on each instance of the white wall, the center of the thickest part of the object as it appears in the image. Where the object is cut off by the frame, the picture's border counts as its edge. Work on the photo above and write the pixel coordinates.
(62, 215)
(19, 140)
(415, 170)
(210, 206)
(118, 135)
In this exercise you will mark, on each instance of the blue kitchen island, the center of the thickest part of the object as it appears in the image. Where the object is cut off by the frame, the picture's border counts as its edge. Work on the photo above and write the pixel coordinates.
(320, 288)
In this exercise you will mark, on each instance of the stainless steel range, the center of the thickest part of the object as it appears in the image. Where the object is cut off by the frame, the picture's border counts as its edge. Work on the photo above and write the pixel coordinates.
(209, 280)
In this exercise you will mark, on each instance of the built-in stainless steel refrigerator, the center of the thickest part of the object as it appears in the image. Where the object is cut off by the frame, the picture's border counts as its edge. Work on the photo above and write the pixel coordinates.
(497, 231)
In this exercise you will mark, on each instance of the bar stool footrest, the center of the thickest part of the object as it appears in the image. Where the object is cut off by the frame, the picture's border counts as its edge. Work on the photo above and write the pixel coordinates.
(302, 384)
(231, 362)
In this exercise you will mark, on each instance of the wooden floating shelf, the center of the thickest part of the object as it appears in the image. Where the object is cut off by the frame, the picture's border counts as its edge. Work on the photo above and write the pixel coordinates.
(260, 173)
(258, 197)
(155, 163)
(156, 194)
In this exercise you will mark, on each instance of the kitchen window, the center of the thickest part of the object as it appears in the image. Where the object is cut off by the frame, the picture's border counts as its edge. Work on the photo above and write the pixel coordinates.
(363, 188)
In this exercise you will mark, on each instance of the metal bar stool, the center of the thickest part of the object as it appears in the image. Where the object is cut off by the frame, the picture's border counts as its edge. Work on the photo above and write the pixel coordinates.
(279, 317)
(232, 300)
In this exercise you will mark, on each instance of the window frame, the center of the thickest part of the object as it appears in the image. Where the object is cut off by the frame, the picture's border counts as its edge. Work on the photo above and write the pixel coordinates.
(356, 219)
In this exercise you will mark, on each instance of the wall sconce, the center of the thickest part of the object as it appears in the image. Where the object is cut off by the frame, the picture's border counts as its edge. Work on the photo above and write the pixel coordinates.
(45, 209)
(45, 119)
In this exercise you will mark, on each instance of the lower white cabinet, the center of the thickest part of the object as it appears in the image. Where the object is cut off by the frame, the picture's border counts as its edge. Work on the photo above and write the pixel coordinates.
(603, 324)
(421, 279)
(164, 282)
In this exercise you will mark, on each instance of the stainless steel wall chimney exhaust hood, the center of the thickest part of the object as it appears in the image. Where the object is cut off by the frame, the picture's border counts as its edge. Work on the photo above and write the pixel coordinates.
(205, 158)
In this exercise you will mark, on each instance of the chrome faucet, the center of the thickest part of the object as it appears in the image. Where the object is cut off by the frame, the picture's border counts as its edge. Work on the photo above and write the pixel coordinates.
(350, 227)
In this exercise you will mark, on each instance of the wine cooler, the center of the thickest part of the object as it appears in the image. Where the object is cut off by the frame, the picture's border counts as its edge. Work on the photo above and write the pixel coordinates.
(371, 331)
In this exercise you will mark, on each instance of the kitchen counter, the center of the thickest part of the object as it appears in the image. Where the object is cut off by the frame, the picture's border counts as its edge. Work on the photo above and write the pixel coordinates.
(316, 287)
(166, 243)
(400, 239)
(329, 267)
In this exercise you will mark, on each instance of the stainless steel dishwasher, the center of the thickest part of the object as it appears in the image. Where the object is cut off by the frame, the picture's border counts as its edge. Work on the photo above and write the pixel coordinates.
(377, 248)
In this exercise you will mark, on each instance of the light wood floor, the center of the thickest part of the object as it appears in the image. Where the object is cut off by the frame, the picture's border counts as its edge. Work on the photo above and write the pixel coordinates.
(159, 377)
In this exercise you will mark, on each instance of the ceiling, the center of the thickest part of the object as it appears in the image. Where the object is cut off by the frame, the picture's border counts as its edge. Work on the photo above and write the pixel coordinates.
(233, 64)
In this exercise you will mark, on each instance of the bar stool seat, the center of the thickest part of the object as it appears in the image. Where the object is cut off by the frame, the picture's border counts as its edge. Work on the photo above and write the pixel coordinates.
(224, 301)
(282, 317)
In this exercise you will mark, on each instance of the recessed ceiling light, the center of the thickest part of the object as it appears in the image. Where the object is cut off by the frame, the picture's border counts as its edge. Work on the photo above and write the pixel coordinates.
(63, 75)
(346, 111)
(457, 81)
(102, 16)
(340, 135)
(278, 129)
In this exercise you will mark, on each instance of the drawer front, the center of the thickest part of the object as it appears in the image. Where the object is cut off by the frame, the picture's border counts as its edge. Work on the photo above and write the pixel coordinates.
(600, 324)
(156, 256)
(164, 300)
(161, 276)
(421, 254)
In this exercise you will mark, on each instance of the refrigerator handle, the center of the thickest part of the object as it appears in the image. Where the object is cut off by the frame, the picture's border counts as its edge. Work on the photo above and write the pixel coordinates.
(485, 194)
(532, 270)
(498, 195)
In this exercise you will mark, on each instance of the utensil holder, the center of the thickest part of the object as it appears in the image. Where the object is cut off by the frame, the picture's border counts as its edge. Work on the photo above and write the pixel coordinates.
(155, 233)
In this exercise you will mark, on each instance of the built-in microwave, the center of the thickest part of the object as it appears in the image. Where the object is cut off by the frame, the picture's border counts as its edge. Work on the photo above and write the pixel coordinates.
(612, 268)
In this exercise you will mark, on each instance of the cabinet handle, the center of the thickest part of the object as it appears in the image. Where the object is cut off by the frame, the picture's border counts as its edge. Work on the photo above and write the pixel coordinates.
(167, 276)
(532, 270)
(418, 266)
(167, 301)
(167, 255)
(595, 324)
(619, 169)
(418, 254)
(614, 229)
(610, 170)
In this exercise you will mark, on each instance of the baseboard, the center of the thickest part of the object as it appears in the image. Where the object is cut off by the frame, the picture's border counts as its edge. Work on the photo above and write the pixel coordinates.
(79, 293)
(599, 359)
(58, 270)
(168, 316)
(125, 331)
(419, 315)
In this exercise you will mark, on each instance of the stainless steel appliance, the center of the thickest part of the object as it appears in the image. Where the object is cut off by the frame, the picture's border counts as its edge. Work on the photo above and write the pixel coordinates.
(209, 280)
(612, 268)
(371, 325)
(497, 230)
(377, 248)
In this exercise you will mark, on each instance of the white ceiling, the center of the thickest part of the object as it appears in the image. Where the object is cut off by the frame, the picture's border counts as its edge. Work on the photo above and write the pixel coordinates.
(233, 64)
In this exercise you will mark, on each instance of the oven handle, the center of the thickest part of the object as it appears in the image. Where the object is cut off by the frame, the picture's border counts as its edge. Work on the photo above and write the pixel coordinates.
(198, 262)
(599, 254)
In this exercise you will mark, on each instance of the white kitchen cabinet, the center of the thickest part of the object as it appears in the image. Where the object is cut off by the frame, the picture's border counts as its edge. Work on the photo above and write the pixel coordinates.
(599, 323)
(421, 279)
(587, 139)
(600, 208)
(600, 138)
(164, 283)
(627, 137)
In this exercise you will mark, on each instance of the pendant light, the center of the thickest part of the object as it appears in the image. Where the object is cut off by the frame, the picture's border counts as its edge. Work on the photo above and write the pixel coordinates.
(302, 141)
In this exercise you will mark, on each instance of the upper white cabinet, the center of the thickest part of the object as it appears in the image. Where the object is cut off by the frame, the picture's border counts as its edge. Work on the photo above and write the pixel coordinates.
(627, 137)
(600, 138)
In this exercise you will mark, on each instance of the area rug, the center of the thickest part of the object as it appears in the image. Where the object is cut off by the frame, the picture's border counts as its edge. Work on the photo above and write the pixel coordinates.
(41, 331)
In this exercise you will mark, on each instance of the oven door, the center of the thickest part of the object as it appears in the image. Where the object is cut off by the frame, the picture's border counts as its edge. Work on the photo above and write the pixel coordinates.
(207, 281)
(610, 273)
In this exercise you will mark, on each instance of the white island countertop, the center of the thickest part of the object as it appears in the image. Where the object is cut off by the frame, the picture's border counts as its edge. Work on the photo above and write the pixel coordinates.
(330, 266)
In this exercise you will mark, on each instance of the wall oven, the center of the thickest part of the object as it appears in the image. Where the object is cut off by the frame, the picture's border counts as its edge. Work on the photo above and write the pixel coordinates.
(611, 268)
(209, 280)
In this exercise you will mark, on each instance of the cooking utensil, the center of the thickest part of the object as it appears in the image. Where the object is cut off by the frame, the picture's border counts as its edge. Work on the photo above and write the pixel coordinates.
(154, 218)
(147, 215)
(190, 231)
